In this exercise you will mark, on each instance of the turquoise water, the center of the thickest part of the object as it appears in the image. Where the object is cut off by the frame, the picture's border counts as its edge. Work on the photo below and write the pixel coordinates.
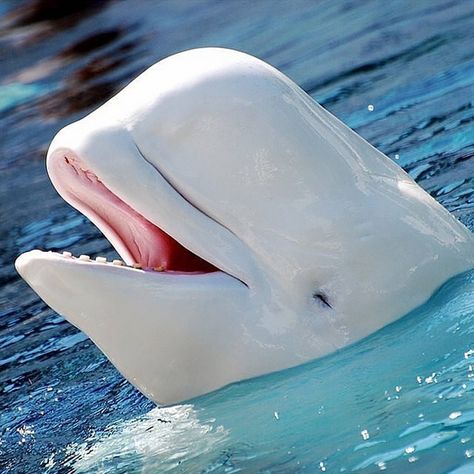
(400, 401)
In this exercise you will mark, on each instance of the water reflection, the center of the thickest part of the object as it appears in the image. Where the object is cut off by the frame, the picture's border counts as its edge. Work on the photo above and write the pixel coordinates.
(53, 15)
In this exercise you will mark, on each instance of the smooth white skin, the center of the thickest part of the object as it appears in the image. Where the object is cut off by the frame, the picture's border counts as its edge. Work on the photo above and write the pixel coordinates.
(239, 165)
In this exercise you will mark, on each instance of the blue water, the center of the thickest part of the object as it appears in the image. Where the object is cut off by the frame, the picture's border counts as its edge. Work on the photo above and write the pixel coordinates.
(400, 401)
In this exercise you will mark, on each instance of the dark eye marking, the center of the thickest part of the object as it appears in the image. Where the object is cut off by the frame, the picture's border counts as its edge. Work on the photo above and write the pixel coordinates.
(322, 298)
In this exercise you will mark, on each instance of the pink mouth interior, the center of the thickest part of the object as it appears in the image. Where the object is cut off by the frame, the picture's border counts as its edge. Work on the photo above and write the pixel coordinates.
(137, 239)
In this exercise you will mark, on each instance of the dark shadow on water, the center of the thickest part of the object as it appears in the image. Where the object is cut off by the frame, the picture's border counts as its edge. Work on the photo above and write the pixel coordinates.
(63, 14)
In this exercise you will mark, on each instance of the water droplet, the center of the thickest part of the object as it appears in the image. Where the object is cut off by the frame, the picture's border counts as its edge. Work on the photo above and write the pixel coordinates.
(382, 466)
(469, 453)
(454, 415)
(412, 459)
(431, 378)
(398, 388)
(365, 434)
(410, 449)
(322, 467)
(25, 430)
(370, 108)
(276, 415)
(469, 353)
(397, 156)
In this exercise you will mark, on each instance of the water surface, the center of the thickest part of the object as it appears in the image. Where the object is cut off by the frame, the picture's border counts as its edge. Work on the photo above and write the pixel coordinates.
(400, 401)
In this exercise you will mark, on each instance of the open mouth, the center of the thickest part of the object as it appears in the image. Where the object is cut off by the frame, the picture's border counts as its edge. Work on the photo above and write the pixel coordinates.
(139, 242)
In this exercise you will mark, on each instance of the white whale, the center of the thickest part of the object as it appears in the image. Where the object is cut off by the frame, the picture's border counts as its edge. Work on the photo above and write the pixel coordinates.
(288, 236)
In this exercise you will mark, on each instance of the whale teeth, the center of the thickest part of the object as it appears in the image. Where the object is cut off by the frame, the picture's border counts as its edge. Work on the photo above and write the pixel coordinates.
(158, 269)
(117, 262)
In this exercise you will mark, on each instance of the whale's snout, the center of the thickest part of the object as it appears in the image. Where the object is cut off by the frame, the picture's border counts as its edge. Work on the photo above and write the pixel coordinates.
(23, 264)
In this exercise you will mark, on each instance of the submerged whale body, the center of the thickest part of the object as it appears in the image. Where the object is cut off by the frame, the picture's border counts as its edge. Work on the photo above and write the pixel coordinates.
(258, 231)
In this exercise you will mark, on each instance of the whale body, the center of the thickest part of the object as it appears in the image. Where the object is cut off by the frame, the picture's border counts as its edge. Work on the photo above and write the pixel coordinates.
(258, 231)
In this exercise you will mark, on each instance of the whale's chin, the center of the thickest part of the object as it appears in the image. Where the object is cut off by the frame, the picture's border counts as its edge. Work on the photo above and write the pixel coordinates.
(141, 243)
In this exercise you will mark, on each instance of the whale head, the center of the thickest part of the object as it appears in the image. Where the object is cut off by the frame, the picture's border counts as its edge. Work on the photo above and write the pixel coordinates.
(258, 231)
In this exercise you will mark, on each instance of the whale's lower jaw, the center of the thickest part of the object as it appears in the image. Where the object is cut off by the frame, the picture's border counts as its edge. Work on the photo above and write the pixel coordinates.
(134, 318)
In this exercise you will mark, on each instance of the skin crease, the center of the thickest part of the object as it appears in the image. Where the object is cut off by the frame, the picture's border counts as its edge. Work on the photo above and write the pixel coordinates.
(320, 239)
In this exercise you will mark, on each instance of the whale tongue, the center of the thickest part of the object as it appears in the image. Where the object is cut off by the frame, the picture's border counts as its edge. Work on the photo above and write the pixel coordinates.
(135, 238)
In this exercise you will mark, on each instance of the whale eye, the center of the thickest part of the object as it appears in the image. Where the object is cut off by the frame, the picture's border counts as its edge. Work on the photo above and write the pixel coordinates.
(322, 298)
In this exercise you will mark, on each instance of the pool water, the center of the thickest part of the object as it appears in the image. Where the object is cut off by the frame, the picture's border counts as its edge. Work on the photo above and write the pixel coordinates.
(400, 73)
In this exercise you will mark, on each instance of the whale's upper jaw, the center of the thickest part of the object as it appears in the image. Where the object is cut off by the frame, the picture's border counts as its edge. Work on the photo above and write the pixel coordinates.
(141, 243)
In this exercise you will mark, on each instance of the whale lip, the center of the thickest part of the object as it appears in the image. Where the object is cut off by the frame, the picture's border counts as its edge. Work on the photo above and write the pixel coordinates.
(139, 242)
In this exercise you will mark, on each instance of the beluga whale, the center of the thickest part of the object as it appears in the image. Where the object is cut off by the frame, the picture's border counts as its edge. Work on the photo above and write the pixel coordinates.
(257, 231)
